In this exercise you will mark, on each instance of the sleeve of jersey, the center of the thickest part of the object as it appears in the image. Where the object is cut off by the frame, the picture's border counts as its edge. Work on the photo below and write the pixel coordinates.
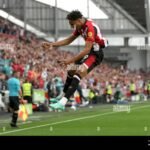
(90, 34)
(104, 43)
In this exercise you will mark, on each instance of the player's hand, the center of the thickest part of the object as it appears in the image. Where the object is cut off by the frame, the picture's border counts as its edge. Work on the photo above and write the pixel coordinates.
(22, 101)
(47, 45)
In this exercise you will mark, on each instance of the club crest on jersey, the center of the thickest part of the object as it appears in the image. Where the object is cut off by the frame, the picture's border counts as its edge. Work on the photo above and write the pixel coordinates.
(90, 34)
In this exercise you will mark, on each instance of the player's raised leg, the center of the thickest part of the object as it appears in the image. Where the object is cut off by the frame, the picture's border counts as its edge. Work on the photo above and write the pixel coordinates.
(80, 73)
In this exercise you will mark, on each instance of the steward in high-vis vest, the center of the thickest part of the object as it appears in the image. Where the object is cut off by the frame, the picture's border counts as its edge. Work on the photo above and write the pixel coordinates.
(27, 91)
(109, 92)
(148, 89)
(132, 88)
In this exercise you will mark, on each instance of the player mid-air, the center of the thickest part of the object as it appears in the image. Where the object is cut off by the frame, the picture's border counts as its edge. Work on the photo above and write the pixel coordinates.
(86, 60)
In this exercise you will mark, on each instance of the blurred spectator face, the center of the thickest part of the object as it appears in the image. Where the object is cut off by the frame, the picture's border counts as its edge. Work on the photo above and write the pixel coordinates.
(2, 76)
(17, 74)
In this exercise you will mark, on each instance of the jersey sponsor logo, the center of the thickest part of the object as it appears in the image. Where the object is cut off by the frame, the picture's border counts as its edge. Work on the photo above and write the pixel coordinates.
(84, 32)
(85, 57)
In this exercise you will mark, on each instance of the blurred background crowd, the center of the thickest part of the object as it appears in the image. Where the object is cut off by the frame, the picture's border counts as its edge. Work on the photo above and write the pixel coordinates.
(106, 83)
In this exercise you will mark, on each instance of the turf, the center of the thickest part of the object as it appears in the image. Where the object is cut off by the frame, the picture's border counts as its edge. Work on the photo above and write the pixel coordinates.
(100, 120)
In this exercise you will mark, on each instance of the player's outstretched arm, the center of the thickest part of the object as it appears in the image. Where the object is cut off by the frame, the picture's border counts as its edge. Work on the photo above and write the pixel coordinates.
(85, 51)
(66, 41)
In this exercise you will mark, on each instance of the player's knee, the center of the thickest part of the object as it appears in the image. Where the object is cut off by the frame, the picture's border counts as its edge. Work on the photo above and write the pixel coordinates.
(16, 108)
(82, 71)
(16, 111)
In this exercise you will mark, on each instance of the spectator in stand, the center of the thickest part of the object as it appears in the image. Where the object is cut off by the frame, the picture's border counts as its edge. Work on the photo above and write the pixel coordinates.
(28, 52)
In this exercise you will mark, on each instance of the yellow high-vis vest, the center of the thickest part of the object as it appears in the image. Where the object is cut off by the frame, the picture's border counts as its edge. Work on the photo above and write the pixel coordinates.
(91, 94)
(132, 87)
(26, 87)
(148, 86)
(109, 90)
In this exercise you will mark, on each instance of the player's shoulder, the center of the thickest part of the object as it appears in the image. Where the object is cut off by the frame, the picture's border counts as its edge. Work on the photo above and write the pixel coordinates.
(89, 22)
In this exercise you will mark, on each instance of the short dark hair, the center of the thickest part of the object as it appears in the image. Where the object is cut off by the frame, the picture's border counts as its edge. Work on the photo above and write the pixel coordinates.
(74, 15)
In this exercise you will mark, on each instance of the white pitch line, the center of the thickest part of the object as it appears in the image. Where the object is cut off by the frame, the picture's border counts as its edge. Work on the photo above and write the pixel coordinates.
(66, 121)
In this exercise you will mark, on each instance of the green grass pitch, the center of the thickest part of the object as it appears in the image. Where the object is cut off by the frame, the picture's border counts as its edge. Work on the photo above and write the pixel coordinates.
(100, 120)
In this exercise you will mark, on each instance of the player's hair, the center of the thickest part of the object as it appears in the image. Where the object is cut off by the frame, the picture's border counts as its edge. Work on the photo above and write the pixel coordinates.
(74, 15)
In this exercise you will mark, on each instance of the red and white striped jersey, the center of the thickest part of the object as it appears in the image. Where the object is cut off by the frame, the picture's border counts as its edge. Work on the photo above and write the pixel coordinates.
(91, 32)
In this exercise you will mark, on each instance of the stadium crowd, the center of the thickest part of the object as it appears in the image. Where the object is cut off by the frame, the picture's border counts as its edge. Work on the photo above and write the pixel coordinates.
(21, 51)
